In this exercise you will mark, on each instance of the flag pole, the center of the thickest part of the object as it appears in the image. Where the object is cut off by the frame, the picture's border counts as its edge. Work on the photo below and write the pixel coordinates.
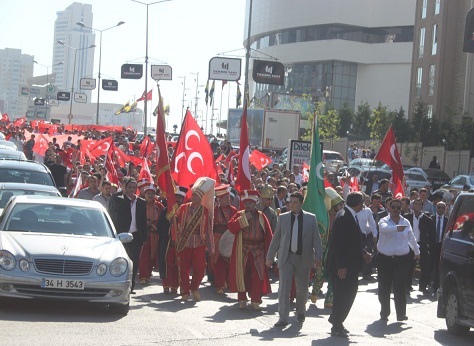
(247, 58)
(220, 110)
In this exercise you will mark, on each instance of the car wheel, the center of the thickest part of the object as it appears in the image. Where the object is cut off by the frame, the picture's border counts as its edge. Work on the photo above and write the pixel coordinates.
(453, 312)
(119, 309)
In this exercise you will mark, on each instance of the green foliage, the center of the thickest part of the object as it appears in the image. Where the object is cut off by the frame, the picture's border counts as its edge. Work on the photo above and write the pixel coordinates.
(360, 128)
(345, 120)
(380, 122)
(400, 126)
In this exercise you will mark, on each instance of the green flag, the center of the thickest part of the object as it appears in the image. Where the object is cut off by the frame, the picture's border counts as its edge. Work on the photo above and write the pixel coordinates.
(314, 200)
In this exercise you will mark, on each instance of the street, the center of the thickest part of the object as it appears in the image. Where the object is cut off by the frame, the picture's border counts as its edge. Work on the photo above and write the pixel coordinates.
(159, 319)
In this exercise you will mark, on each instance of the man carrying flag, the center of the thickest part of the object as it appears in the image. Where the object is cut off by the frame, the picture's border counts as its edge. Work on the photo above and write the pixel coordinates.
(314, 203)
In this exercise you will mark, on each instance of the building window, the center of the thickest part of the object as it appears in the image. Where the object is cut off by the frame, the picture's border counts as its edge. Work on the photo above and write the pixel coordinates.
(429, 114)
(419, 76)
(421, 48)
(434, 46)
(423, 9)
(432, 80)
(437, 6)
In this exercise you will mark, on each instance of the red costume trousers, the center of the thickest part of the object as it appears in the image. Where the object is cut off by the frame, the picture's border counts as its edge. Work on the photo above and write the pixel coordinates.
(195, 259)
(146, 264)
(172, 272)
(253, 284)
(221, 272)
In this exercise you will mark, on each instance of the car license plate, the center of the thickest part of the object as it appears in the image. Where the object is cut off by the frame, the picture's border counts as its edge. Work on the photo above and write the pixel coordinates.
(62, 284)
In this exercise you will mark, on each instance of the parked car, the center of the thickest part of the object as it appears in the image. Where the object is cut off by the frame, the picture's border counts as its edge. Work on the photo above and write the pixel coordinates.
(8, 190)
(365, 162)
(332, 160)
(29, 172)
(8, 144)
(435, 176)
(456, 267)
(63, 249)
(12, 154)
(364, 174)
(416, 180)
(459, 181)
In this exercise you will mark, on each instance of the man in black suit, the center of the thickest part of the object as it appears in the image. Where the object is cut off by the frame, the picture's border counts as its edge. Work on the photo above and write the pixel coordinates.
(424, 230)
(345, 257)
(441, 221)
(120, 210)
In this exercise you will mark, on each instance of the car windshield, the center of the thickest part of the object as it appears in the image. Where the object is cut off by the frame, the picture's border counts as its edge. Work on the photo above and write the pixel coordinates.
(413, 176)
(333, 156)
(58, 219)
(11, 175)
(437, 173)
(471, 179)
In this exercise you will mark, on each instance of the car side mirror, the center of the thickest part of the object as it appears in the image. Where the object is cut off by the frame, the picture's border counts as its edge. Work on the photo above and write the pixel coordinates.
(125, 237)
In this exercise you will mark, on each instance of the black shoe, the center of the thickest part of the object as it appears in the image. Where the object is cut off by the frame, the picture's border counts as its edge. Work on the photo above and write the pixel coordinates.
(338, 332)
(402, 318)
(280, 324)
(345, 330)
(301, 318)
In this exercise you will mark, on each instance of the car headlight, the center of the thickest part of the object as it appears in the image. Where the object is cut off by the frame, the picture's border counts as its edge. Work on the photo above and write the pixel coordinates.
(101, 269)
(118, 266)
(24, 265)
(7, 260)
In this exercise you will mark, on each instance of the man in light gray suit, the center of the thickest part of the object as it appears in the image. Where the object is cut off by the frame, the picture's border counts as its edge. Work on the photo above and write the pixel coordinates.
(298, 243)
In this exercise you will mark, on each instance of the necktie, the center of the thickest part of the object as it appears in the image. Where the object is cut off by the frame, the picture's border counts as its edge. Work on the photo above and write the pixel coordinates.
(357, 220)
(438, 230)
(294, 236)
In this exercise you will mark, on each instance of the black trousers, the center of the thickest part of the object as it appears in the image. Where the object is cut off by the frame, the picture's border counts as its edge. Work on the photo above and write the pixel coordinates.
(133, 251)
(344, 293)
(392, 272)
(435, 265)
(368, 243)
(425, 267)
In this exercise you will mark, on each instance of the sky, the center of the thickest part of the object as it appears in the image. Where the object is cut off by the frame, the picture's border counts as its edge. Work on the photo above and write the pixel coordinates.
(184, 34)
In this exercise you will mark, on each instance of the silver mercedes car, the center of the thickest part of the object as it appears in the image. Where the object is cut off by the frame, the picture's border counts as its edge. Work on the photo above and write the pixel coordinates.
(63, 249)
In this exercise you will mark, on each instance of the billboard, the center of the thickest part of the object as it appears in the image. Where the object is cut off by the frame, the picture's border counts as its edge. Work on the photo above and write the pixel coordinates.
(268, 72)
(228, 69)
(278, 127)
(299, 152)
(254, 122)
(132, 71)
(161, 72)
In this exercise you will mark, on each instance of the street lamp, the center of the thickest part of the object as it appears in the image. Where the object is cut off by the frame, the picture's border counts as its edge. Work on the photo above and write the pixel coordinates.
(146, 55)
(69, 116)
(47, 76)
(184, 95)
(100, 59)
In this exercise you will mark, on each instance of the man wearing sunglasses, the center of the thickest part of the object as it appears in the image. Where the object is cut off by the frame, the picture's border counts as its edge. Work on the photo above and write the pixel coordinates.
(393, 260)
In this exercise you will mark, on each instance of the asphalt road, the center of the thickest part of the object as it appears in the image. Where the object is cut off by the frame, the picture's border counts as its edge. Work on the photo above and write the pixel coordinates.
(159, 319)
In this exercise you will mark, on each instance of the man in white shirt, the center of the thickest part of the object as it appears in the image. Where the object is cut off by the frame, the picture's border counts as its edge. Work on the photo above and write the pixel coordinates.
(393, 260)
(298, 175)
(369, 232)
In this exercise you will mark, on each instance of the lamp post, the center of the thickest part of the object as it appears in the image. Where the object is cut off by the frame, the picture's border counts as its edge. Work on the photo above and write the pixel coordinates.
(73, 72)
(196, 98)
(184, 95)
(100, 60)
(146, 56)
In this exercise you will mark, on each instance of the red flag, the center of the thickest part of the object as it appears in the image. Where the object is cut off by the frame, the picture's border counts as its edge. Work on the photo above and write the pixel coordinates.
(145, 171)
(5, 118)
(52, 129)
(97, 148)
(66, 156)
(230, 155)
(148, 96)
(163, 172)
(41, 145)
(306, 173)
(109, 165)
(193, 157)
(220, 158)
(259, 160)
(243, 174)
(146, 147)
(19, 122)
(389, 154)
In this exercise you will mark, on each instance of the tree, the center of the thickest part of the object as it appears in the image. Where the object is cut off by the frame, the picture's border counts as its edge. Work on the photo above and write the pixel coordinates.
(380, 122)
(345, 119)
(361, 130)
(328, 123)
(400, 126)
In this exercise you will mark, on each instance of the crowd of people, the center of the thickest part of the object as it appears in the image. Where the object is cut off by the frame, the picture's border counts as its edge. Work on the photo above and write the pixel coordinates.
(240, 239)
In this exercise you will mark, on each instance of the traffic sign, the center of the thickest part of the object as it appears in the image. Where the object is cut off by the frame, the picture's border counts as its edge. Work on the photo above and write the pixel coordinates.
(64, 96)
(70, 116)
(161, 72)
(39, 101)
(88, 83)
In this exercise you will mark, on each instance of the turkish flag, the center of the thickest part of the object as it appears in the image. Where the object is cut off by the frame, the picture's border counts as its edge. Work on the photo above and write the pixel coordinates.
(52, 129)
(243, 175)
(97, 148)
(389, 154)
(229, 157)
(41, 145)
(193, 157)
(220, 158)
(146, 147)
(5, 118)
(109, 165)
(66, 156)
(259, 159)
(145, 173)
(148, 96)
(19, 122)
(163, 172)
(306, 172)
